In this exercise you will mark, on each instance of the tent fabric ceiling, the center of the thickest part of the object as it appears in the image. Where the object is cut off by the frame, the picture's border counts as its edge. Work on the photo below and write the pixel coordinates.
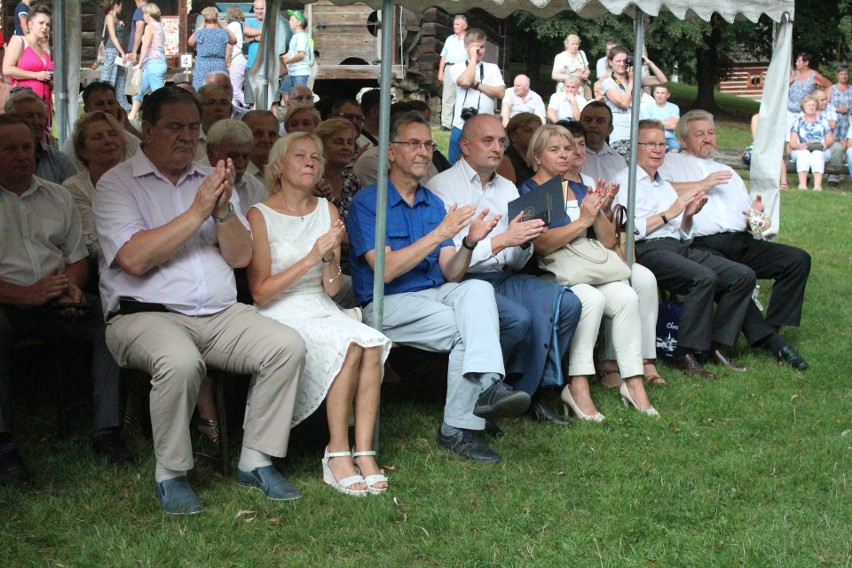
(683, 9)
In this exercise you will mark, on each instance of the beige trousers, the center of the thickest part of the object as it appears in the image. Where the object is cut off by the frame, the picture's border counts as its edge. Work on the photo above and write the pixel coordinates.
(175, 351)
(644, 284)
(448, 100)
(615, 300)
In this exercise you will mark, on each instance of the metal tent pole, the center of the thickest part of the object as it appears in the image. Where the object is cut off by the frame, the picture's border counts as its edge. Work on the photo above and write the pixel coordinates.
(639, 31)
(385, 83)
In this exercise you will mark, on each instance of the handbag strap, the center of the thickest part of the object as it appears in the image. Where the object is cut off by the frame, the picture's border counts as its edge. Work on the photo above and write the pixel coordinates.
(592, 243)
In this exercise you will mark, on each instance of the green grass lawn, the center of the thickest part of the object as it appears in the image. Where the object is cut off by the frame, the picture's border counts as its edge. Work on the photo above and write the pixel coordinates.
(749, 470)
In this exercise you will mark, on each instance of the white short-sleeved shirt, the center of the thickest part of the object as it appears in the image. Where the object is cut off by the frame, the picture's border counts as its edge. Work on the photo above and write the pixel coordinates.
(453, 50)
(486, 73)
(565, 110)
(533, 103)
(40, 231)
(723, 212)
(652, 196)
(461, 184)
(133, 197)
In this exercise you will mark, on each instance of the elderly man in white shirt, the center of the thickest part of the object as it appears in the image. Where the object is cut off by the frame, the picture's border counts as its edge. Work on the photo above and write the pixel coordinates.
(43, 267)
(520, 99)
(531, 310)
(452, 53)
(601, 160)
(721, 228)
(171, 235)
(664, 221)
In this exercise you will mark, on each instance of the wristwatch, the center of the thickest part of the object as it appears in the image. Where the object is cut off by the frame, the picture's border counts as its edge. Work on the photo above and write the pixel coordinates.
(227, 215)
(663, 216)
(467, 245)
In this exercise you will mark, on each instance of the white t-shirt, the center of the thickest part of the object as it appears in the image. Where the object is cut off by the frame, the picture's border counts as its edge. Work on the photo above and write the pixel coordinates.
(517, 105)
(486, 73)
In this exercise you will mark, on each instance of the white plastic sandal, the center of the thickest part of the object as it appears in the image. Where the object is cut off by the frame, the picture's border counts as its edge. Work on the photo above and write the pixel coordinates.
(372, 480)
(344, 484)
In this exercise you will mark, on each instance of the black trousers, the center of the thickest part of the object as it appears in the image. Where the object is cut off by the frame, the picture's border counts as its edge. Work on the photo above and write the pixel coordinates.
(701, 277)
(46, 323)
(788, 266)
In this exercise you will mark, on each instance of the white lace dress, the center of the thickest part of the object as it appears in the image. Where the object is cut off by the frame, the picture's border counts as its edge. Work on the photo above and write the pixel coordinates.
(306, 307)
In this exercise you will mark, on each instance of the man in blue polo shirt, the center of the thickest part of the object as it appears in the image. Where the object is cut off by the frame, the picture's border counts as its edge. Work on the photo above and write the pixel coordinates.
(426, 304)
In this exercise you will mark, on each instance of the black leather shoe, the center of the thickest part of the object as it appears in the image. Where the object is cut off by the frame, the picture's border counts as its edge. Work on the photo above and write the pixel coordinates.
(12, 468)
(500, 401)
(540, 412)
(109, 443)
(689, 365)
(789, 356)
(718, 356)
(466, 444)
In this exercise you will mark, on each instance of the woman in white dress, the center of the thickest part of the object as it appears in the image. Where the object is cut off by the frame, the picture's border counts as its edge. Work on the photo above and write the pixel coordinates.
(294, 271)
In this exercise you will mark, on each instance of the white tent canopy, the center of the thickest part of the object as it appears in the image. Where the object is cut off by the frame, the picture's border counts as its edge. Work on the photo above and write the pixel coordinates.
(767, 148)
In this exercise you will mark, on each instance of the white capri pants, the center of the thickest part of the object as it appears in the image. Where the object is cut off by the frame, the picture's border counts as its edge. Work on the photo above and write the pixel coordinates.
(644, 283)
(813, 161)
(615, 300)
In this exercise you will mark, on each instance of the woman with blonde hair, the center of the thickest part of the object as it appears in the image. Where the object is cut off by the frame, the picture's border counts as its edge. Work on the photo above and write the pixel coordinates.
(338, 184)
(572, 61)
(810, 139)
(301, 118)
(551, 154)
(294, 271)
(210, 42)
(99, 145)
(152, 57)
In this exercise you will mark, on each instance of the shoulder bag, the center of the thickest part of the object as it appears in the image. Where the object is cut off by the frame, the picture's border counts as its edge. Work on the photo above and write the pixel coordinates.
(584, 261)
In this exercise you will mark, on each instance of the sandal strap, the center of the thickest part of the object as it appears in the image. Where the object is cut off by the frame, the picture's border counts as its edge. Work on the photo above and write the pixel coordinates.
(337, 454)
(348, 482)
(371, 480)
(366, 453)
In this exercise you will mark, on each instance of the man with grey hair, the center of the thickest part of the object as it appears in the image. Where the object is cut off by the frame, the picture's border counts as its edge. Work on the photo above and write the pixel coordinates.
(426, 304)
(300, 95)
(215, 106)
(223, 79)
(452, 53)
(520, 99)
(51, 164)
(232, 139)
(265, 131)
(721, 227)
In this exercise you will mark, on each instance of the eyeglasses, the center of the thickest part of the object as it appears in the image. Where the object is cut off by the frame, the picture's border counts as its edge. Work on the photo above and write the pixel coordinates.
(349, 116)
(652, 145)
(415, 145)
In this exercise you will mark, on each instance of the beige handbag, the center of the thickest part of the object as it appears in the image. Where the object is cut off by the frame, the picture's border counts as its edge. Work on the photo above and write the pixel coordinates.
(584, 261)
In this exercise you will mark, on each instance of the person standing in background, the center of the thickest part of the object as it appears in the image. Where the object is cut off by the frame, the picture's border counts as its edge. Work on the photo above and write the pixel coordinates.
(114, 34)
(452, 53)
(22, 17)
(137, 27)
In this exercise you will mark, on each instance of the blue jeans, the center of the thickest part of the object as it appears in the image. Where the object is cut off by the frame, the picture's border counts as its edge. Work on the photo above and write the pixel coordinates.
(153, 77)
(454, 151)
(290, 81)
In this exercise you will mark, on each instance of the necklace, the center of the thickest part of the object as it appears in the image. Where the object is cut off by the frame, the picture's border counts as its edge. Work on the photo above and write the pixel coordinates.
(295, 211)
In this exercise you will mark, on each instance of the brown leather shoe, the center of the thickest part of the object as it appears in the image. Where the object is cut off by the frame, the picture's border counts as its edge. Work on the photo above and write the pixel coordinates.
(718, 356)
(689, 365)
